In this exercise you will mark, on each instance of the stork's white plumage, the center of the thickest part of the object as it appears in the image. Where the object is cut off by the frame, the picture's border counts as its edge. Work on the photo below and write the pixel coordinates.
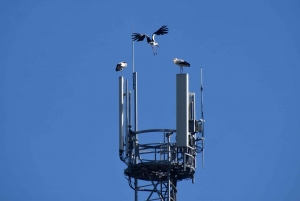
(181, 63)
(140, 37)
(121, 66)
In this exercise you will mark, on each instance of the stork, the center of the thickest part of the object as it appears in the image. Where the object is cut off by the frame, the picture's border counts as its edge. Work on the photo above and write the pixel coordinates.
(121, 66)
(181, 63)
(140, 37)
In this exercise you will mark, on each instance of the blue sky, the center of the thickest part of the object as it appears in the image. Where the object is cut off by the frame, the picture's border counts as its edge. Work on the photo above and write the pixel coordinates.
(59, 95)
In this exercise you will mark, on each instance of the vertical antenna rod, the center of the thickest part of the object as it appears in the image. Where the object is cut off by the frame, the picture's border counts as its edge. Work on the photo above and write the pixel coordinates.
(135, 117)
(201, 82)
(135, 129)
(132, 52)
(135, 88)
(202, 115)
(127, 120)
(129, 130)
(121, 115)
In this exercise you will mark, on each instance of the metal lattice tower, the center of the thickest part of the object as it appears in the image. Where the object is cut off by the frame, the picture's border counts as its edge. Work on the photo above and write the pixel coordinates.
(154, 167)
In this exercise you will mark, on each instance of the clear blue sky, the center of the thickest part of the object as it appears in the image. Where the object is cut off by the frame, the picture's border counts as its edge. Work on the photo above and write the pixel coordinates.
(59, 95)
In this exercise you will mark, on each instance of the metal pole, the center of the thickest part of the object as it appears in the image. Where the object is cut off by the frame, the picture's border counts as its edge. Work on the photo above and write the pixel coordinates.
(135, 129)
(135, 88)
(121, 115)
(201, 92)
(129, 129)
(135, 118)
(127, 121)
(132, 53)
(202, 116)
(169, 166)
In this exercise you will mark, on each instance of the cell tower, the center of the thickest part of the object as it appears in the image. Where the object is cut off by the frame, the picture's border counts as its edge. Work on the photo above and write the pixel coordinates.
(156, 167)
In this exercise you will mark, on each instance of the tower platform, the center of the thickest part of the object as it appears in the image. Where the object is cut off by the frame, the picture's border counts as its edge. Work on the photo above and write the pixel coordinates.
(158, 171)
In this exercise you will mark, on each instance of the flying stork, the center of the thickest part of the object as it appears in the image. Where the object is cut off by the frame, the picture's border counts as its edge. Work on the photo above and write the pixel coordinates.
(121, 66)
(181, 63)
(140, 37)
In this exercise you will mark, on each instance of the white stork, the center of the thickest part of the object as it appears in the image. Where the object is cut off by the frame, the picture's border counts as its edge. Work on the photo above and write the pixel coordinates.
(140, 37)
(181, 63)
(121, 66)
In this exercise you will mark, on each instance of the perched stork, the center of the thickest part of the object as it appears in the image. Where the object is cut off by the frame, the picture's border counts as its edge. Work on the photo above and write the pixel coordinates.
(140, 37)
(181, 63)
(121, 66)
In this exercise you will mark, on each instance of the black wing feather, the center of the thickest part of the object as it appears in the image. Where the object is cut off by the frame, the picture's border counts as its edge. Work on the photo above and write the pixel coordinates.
(163, 30)
(119, 67)
(148, 40)
(185, 63)
(140, 37)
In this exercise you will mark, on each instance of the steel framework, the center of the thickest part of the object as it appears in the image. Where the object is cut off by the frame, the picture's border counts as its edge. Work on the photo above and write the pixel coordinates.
(154, 167)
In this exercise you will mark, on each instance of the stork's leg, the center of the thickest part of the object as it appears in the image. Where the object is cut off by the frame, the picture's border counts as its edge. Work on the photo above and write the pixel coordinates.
(154, 51)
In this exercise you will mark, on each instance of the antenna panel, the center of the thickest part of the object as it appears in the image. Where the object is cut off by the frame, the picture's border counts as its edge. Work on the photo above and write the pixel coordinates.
(182, 110)
(121, 113)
